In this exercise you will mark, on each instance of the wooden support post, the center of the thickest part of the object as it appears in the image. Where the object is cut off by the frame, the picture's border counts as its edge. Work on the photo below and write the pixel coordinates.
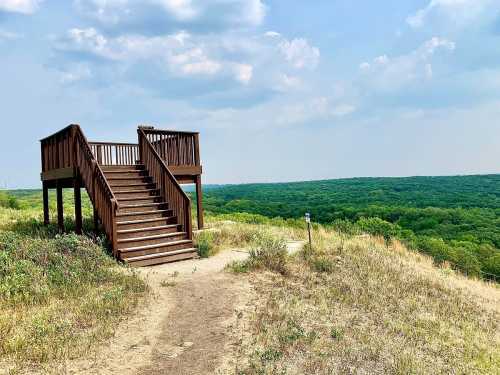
(199, 202)
(60, 213)
(96, 221)
(78, 206)
(46, 218)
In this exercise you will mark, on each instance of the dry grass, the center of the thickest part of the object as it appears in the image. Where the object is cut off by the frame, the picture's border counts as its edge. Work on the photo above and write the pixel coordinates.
(221, 235)
(359, 306)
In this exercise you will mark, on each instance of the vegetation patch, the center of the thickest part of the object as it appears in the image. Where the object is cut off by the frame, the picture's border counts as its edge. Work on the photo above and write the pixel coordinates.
(356, 304)
(60, 295)
(268, 252)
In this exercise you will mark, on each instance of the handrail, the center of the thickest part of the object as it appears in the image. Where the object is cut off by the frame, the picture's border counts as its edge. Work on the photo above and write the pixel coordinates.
(166, 131)
(113, 143)
(75, 152)
(97, 185)
(176, 148)
(177, 199)
(63, 130)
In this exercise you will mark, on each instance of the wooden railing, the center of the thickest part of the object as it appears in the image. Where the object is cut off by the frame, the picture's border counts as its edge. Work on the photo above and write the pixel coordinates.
(112, 153)
(69, 148)
(170, 189)
(57, 150)
(176, 148)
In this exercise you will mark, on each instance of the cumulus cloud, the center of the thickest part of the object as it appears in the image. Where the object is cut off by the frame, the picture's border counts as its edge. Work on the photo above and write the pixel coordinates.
(178, 54)
(300, 53)
(20, 6)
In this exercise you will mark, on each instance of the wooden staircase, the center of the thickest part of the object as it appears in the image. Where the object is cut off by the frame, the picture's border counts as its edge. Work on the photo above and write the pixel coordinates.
(144, 212)
(147, 230)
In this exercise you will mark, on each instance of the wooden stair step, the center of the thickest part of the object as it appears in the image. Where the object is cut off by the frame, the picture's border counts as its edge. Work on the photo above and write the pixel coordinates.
(132, 185)
(156, 239)
(154, 204)
(146, 221)
(125, 214)
(137, 191)
(148, 247)
(164, 257)
(124, 171)
(147, 229)
(161, 247)
(144, 199)
(120, 178)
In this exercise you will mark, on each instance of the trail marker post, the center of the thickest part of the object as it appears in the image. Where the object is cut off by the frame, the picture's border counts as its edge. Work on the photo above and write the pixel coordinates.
(308, 221)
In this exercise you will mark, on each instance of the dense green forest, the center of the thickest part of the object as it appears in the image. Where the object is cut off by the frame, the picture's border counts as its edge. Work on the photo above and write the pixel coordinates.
(454, 219)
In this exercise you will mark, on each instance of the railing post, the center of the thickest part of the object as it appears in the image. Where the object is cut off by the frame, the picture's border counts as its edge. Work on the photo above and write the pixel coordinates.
(114, 240)
(78, 205)
(60, 210)
(199, 202)
(197, 149)
(46, 218)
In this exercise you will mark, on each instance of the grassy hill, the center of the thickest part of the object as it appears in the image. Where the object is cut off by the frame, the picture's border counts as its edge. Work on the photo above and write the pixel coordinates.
(455, 219)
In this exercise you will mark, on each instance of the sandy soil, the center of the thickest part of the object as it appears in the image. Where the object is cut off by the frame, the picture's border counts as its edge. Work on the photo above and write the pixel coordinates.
(192, 324)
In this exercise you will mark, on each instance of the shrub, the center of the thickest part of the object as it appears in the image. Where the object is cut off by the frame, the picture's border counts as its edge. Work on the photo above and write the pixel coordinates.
(8, 201)
(205, 244)
(268, 253)
(492, 267)
(378, 227)
(322, 264)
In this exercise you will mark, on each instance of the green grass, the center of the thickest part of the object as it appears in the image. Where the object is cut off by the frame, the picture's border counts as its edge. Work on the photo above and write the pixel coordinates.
(60, 295)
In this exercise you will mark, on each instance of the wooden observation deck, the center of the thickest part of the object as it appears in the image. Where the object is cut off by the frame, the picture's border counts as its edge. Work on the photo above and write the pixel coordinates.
(134, 189)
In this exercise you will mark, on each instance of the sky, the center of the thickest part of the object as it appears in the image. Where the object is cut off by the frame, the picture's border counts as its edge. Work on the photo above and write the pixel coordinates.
(280, 90)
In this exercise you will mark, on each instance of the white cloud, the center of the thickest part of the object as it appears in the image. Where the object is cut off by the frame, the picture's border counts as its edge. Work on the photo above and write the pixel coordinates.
(108, 12)
(299, 53)
(253, 12)
(243, 73)
(20, 6)
(232, 13)
(75, 73)
(288, 82)
(389, 74)
(364, 66)
(381, 60)
(195, 62)
(457, 11)
(7, 35)
(180, 53)
(183, 10)
(272, 34)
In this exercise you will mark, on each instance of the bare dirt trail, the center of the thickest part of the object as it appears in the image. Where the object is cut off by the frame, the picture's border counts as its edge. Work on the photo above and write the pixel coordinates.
(190, 325)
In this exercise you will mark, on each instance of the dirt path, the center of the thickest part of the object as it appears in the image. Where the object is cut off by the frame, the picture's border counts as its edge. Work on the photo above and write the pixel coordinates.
(188, 327)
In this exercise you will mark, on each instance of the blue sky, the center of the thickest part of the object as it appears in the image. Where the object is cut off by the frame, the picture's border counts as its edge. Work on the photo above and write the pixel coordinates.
(280, 90)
